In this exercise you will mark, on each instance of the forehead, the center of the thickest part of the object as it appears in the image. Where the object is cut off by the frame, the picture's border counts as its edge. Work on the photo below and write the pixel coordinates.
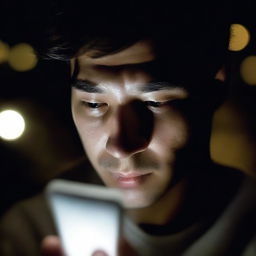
(140, 52)
(134, 65)
(138, 61)
(164, 63)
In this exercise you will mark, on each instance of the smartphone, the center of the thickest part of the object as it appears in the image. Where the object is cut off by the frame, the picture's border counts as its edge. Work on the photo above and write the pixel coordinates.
(88, 217)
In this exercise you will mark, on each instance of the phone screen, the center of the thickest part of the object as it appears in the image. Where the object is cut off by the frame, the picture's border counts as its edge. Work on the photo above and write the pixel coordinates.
(85, 223)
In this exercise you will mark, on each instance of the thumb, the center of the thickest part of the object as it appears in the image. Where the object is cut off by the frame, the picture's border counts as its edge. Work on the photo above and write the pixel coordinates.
(51, 246)
(99, 253)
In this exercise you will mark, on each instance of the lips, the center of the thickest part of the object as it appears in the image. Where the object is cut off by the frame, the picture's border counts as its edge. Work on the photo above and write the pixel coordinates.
(131, 179)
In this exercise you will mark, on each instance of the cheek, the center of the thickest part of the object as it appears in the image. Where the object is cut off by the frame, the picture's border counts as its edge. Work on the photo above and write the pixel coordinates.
(91, 132)
(171, 132)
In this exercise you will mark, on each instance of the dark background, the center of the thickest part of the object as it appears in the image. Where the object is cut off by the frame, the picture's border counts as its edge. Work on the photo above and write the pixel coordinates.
(50, 144)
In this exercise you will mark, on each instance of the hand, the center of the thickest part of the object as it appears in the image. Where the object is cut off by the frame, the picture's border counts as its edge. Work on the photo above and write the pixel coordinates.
(51, 247)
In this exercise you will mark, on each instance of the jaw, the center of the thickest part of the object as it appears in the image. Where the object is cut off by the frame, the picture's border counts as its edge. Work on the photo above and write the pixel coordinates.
(164, 210)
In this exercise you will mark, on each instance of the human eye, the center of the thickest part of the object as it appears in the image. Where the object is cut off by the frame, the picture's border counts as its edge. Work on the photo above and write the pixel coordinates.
(94, 108)
(162, 106)
(155, 104)
(93, 105)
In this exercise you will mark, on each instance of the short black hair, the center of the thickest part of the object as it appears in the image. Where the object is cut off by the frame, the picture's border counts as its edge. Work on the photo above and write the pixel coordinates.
(68, 28)
(193, 35)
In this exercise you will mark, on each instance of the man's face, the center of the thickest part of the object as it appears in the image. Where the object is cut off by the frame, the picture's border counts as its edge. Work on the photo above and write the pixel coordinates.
(128, 121)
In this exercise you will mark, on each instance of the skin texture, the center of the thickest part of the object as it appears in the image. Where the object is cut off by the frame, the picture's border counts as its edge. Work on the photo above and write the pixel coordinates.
(127, 131)
(124, 130)
(51, 246)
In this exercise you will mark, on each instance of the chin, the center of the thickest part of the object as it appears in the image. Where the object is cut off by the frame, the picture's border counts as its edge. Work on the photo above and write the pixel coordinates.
(134, 201)
(132, 205)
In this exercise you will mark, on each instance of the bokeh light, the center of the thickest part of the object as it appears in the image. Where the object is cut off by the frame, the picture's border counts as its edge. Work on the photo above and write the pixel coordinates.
(231, 142)
(12, 125)
(4, 52)
(22, 57)
(240, 37)
(248, 70)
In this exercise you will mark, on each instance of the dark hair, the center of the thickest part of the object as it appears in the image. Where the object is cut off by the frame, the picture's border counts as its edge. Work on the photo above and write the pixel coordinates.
(68, 28)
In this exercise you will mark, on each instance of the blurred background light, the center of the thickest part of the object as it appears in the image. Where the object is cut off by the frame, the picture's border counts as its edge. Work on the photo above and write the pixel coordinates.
(12, 125)
(22, 57)
(4, 52)
(240, 37)
(231, 142)
(248, 70)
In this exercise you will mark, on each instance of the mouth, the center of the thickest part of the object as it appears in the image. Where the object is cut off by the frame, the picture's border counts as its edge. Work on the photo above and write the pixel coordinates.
(130, 179)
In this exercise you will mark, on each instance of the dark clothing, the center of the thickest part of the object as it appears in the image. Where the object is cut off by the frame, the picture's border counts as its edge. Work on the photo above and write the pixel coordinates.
(222, 222)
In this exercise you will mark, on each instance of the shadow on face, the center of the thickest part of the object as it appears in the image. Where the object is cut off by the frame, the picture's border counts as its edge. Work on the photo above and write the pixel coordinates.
(128, 107)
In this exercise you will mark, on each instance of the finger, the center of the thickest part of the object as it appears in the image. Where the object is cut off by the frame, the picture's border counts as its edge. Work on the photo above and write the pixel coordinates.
(51, 246)
(99, 253)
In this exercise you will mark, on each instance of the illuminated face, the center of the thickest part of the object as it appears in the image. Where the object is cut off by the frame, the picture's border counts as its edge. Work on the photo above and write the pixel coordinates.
(129, 122)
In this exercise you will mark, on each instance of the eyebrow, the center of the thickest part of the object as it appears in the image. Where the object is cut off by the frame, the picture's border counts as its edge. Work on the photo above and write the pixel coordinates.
(158, 86)
(91, 87)
(86, 85)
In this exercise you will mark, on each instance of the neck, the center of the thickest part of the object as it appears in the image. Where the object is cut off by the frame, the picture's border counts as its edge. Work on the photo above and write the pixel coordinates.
(164, 210)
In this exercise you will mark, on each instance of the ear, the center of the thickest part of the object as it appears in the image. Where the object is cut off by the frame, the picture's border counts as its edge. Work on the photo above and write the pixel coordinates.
(219, 90)
(221, 75)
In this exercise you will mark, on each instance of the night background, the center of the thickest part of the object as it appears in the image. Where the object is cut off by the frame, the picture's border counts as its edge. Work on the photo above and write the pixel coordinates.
(39, 91)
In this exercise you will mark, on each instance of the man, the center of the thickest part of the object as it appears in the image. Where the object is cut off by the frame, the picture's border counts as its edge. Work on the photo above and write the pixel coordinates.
(144, 89)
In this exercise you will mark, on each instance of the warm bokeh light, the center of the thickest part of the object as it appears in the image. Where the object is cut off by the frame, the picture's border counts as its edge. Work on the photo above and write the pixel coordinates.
(22, 57)
(4, 52)
(231, 144)
(12, 125)
(248, 70)
(240, 37)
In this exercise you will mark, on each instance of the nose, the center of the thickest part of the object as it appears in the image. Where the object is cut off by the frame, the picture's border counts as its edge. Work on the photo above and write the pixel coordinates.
(131, 128)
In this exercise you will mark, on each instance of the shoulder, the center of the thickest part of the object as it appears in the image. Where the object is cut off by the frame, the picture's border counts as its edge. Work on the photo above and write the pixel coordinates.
(34, 211)
(237, 221)
(250, 248)
(223, 179)
(230, 180)
(230, 198)
(235, 185)
(24, 226)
